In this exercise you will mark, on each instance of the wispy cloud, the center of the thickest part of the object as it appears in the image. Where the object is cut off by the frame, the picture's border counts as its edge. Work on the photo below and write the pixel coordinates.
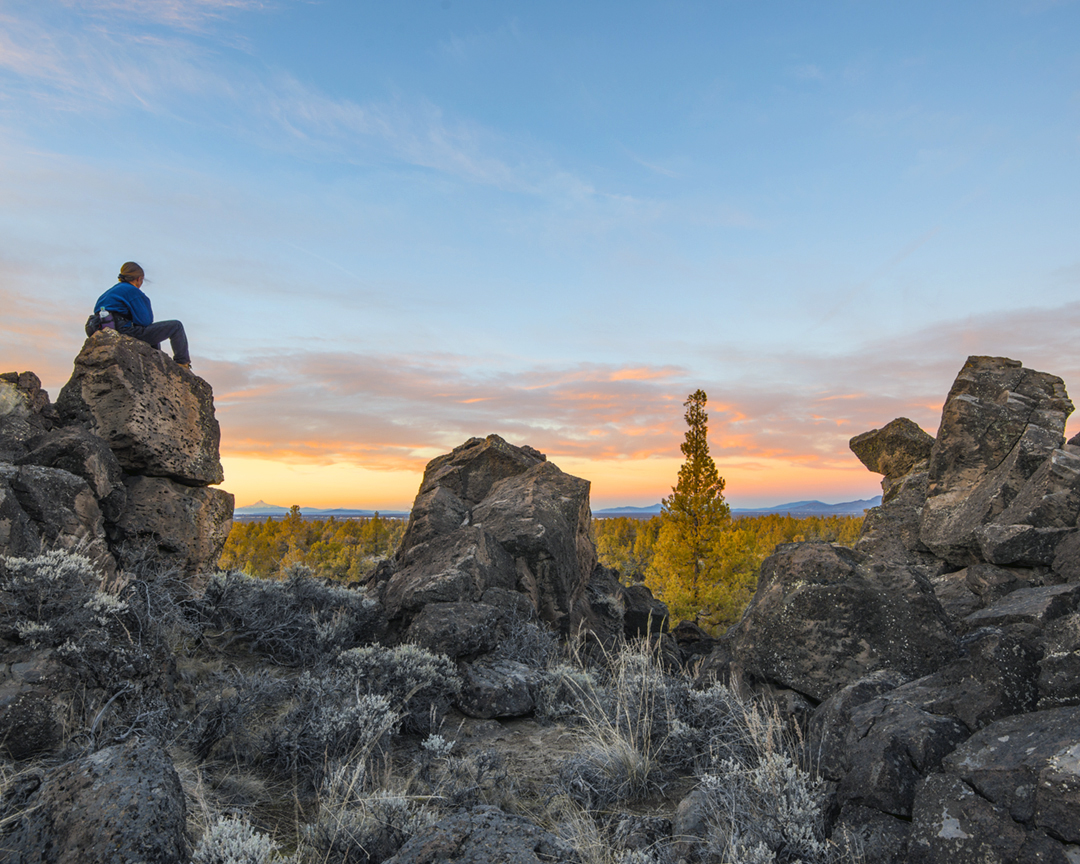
(114, 60)
(184, 14)
(799, 409)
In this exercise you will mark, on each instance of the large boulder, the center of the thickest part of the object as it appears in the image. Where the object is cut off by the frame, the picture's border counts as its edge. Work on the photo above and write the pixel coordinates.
(890, 746)
(25, 412)
(541, 517)
(1059, 669)
(156, 417)
(457, 481)
(880, 738)
(497, 687)
(823, 618)
(890, 531)
(459, 565)
(999, 425)
(122, 804)
(491, 516)
(49, 508)
(180, 525)
(953, 825)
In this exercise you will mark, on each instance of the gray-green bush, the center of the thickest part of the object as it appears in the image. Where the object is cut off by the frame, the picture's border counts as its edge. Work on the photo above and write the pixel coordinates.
(298, 621)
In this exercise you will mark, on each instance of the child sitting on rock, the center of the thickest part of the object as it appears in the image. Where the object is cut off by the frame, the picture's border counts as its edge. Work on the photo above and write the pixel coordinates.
(126, 309)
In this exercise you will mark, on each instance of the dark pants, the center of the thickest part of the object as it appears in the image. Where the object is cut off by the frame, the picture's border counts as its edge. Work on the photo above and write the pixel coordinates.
(157, 332)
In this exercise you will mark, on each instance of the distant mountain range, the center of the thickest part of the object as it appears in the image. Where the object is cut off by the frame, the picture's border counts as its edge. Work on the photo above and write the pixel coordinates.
(261, 510)
(795, 508)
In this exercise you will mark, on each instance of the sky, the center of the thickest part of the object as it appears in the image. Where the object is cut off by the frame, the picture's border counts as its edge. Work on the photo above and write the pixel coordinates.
(390, 227)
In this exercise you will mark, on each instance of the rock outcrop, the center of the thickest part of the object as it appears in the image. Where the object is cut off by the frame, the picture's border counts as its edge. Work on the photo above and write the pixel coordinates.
(1000, 424)
(156, 418)
(485, 835)
(943, 650)
(822, 618)
(120, 468)
(494, 525)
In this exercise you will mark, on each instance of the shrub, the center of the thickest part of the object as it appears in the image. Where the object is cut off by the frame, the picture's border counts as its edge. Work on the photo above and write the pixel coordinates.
(112, 637)
(355, 826)
(634, 726)
(530, 643)
(234, 841)
(298, 621)
(771, 811)
(330, 721)
(563, 692)
(230, 709)
(420, 685)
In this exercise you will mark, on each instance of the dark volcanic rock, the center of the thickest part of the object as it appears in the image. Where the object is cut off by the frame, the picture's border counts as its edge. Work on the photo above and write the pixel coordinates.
(953, 825)
(493, 516)
(123, 804)
(1030, 765)
(29, 725)
(484, 835)
(999, 424)
(457, 566)
(890, 746)
(822, 619)
(85, 455)
(457, 629)
(995, 677)
(58, 511)
(832, 718)
(156, 417)
(893, 450)
(1066, 563)
(1028, 605)
(458, 481)
(1044, 511)
(890, 531)
(883, 837)
(1059, 669)
(25, 413)
(542, 519)
(182, 525)
(496, 687)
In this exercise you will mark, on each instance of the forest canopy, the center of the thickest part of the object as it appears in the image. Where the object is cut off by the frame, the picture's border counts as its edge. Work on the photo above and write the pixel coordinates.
(343, 549)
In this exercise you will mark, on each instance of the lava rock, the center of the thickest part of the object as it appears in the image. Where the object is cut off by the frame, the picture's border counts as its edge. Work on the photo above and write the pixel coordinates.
(822, 619)
(156, 417)
(182, 526)
(122, 804)
(485, 835)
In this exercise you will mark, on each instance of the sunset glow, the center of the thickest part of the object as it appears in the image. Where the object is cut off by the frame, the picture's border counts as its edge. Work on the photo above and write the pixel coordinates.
(390, 227)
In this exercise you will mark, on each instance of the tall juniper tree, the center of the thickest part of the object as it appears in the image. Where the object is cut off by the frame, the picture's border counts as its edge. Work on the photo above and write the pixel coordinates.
(686, 566)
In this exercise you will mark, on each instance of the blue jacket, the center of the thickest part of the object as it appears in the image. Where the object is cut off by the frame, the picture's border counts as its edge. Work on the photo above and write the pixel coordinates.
(128, 300)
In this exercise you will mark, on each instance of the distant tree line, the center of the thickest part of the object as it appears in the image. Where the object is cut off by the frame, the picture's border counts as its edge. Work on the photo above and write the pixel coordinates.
(343, 549)
(630, 546)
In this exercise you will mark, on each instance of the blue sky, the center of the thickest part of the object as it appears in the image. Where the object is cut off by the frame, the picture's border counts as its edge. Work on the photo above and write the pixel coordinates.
(391, 226)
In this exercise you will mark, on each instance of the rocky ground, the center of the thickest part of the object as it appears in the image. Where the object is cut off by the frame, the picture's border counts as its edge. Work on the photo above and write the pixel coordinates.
(491, 693)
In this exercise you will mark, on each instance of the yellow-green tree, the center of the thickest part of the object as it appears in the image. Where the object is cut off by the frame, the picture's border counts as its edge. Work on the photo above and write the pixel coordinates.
(686, 565)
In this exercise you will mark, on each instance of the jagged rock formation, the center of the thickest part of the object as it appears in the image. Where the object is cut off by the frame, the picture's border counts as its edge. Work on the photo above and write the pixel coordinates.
(942, 651)
(120, 467)
(499, 536)
(501, 529)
